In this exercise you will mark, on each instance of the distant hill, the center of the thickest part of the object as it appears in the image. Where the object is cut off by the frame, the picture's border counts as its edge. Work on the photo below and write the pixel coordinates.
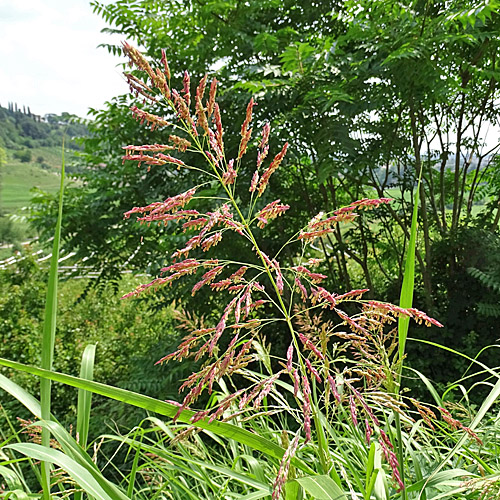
(20, 129)
(33, 154)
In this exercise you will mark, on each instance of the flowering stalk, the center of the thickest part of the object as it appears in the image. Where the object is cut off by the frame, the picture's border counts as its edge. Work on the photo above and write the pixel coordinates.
(363, 386)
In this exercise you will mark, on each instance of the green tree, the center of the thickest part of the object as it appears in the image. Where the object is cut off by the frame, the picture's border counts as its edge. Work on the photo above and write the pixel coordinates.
(210, 34)
(368, 94)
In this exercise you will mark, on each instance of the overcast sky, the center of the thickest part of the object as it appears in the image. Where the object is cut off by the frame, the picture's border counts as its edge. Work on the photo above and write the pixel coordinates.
(50, 60)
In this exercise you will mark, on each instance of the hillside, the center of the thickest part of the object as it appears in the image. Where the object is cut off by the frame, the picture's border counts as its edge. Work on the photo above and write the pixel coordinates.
(30, 157)
(32, 144)
(20, 129)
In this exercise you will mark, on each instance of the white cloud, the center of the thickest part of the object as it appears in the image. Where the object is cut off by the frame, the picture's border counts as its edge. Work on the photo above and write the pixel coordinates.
(50, 60)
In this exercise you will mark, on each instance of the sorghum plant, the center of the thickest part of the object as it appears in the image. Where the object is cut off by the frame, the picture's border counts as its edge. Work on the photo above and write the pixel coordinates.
(343, 366)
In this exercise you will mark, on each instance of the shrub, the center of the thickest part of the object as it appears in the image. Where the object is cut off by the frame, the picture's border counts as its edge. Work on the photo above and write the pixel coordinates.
(127, 338)
(23, 155)
(10, 232)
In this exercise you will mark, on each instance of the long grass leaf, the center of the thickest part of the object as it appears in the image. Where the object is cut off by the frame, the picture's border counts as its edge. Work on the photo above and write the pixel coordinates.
(293, 490)
(134, 470)
(429, 386)
(78, 473)
(482, 488)
(380, 489)
(75, 452)
(24, 397)
(406, 301)
(85, 397)
(49, 332)
(18, 495)
(226, 430)
(321, 488)
(406, 297)
(84, 401)
(11, 478)
(257, 495)
(440, 479)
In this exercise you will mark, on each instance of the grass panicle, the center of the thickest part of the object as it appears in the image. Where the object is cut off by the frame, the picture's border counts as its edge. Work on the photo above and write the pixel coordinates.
(325, 419)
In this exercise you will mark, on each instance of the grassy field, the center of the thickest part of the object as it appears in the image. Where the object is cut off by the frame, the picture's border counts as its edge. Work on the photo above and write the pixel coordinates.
(19, 178)
(17, 181)
(50, 156)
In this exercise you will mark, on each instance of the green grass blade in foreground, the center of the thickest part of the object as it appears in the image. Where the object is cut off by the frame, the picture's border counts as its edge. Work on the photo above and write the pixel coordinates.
(18, 495)
(371, 472)
(78, 473)
(293, 490)
(223, 429)
(49, 332)
(321, 488)
(69, 446)
(453, 477)
(85, 397)
(75, 452)
(406, 297)
(257, 496)
(405, 301)
(487, 404)
(24, 397)
(380, 488)
(427, 384)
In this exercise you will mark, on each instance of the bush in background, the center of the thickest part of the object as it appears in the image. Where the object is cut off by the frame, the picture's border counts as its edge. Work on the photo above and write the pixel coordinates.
(24, 155)
(129, 339)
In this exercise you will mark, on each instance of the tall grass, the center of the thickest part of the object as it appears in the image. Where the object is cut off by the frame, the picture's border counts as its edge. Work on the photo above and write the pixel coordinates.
(323, 425)
(49, 332)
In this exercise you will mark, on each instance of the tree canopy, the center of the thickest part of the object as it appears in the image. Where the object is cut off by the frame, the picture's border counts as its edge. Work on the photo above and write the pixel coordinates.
(368, 94)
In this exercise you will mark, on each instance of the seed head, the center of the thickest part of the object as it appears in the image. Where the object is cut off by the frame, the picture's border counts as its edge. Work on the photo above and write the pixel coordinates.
(211, 98)
(165, 63)
(187, 83)
(264, 180)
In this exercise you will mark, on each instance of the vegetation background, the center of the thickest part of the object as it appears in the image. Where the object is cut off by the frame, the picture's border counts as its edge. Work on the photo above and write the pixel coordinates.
(369, 95)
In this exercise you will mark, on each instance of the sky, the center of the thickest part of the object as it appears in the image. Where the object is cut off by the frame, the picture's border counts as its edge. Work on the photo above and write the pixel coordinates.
(50, 60)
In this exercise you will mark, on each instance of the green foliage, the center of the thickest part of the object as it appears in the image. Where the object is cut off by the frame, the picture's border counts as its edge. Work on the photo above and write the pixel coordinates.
(330, 389)
(114, 127)
(129, 340)
(488, 275)
(353, 96)
(24, 156)
(10, 232)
